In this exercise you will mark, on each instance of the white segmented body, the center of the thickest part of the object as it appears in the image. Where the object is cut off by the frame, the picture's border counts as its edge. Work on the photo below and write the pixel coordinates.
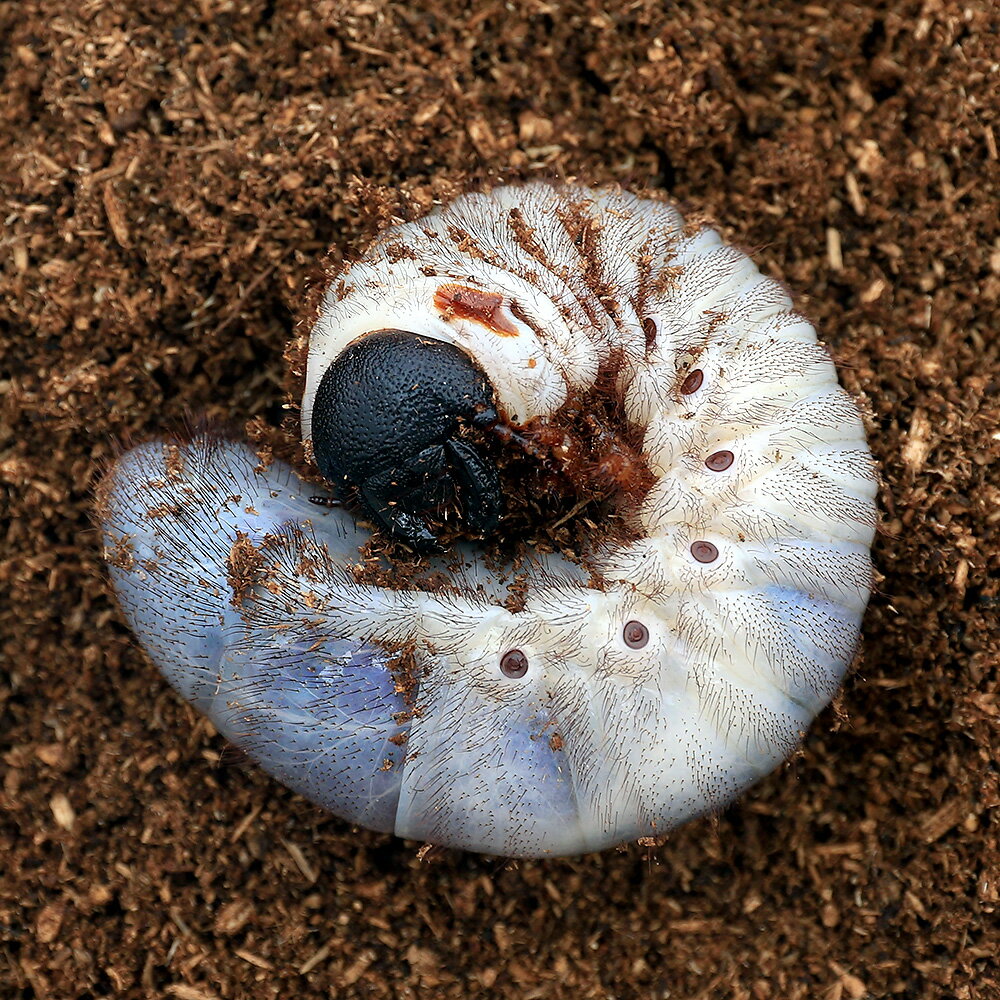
(749, 570)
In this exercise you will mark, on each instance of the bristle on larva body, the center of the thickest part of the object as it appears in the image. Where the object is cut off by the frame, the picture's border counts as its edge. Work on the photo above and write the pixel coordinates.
(600, 709)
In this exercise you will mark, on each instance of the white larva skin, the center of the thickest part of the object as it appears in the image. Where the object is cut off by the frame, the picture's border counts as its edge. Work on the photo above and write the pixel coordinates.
(598, 742)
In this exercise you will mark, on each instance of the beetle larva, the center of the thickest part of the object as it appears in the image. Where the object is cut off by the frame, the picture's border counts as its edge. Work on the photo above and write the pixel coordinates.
(606, 703)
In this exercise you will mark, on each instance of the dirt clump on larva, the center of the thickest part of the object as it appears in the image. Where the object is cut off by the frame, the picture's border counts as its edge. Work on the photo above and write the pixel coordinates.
(172, 176)
(246, 568)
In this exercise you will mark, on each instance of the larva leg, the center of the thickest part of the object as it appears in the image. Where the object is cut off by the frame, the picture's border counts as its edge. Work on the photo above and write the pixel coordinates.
(479, 486)
(378, 493)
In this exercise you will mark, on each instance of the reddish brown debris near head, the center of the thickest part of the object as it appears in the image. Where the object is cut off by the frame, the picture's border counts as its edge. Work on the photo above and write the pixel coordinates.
(463, 302)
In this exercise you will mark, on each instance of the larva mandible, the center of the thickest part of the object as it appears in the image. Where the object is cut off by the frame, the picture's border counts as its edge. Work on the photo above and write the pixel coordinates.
(612, 703)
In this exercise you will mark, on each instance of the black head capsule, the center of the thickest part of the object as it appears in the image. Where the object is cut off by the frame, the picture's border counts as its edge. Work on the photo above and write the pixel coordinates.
(385, 421)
